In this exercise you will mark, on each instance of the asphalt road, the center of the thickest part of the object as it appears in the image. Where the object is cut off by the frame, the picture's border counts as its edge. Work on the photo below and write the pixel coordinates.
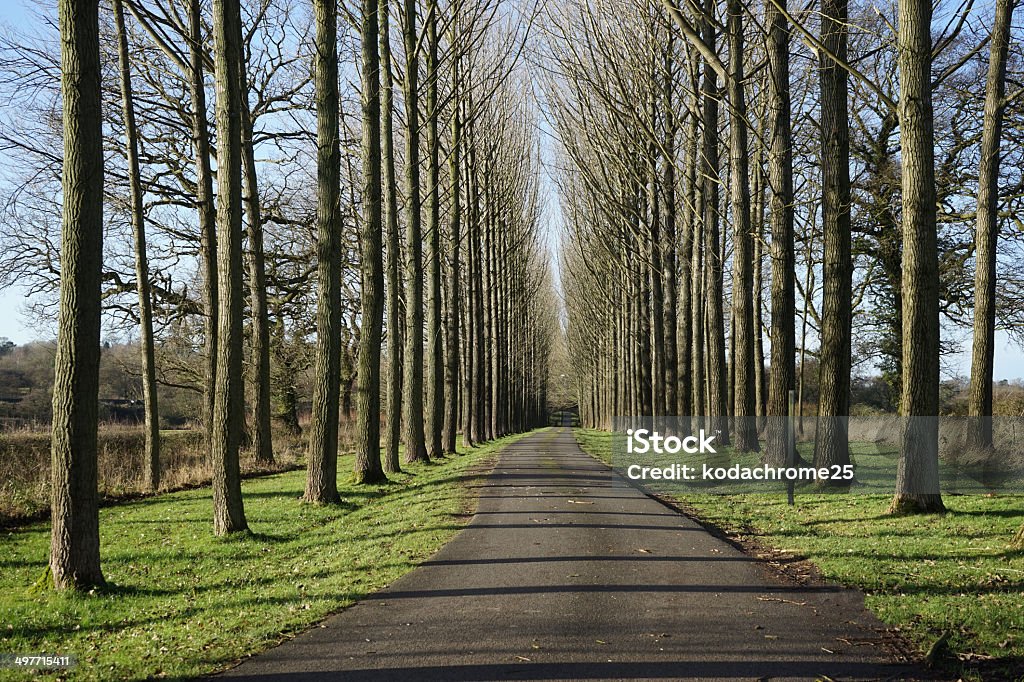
(566, 573)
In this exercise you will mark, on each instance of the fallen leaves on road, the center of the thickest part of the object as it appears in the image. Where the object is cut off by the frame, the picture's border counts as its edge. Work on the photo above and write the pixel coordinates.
(784, 601)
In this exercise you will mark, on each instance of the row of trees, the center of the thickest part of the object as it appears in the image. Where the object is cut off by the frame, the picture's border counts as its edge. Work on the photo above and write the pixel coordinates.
(825, 141)
(467, 294)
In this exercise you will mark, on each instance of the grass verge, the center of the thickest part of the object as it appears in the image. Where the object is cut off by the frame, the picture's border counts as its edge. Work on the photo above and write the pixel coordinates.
(184, 603)
(954, 574)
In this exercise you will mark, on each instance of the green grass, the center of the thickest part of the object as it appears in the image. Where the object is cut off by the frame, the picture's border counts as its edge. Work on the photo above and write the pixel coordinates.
(184, 603)
(954, 573)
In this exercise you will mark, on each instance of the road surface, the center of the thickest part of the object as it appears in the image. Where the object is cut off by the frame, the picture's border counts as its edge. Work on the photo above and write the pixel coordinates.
(567, 573)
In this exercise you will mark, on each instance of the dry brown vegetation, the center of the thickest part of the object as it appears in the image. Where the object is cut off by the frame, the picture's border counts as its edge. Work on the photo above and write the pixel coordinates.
(25, 465)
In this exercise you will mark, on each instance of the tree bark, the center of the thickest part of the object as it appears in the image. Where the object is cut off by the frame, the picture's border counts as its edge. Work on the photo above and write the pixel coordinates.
(760, 382)
(434, 388)
(917, 474)
(714, 327)
(262, 439)
(368, 467)
(322, 466)
(151, 459)
(744, 408)
(780, 181)
(393, 429)
(451, 365)
(206, 209)
(831, 439)
(415, 447)
(979, 401)
(671, 256)
(228, 405)
(74, 501)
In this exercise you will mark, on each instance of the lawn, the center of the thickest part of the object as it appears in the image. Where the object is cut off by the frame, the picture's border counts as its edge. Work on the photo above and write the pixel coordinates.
(182, 602)
(928, 575)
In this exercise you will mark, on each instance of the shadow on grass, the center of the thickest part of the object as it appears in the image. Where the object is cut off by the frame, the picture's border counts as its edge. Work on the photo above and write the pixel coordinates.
(994, 513)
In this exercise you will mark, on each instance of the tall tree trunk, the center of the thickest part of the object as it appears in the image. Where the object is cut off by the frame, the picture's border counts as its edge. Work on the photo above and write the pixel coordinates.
(714, 328)
(760, 383)
(322, 466)
(451, 364)
(262, 439)
(477, 313)
(228, 404)
(393, 429)
(487, 303)
(415, 447)
(805, 313)
(698, 368)
(831, 446)
(655, 280)
(670, 265)
(151, 466)
(979, 402)
(687, 257)
(744, 407)
(471, 389)
(74, 500)
(434, 389)
(207, 210)
(780, 181)
(368, 467)
(917, 475)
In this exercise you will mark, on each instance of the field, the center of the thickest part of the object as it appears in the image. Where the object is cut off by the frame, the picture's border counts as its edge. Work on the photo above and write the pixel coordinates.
(25, 466)
(954, 576)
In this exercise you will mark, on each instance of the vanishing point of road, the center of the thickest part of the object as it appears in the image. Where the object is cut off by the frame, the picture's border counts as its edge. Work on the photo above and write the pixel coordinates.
(567, 573)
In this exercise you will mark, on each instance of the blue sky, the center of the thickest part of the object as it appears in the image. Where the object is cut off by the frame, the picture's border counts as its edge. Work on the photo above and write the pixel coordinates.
(1009, 361)
(13, 13)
